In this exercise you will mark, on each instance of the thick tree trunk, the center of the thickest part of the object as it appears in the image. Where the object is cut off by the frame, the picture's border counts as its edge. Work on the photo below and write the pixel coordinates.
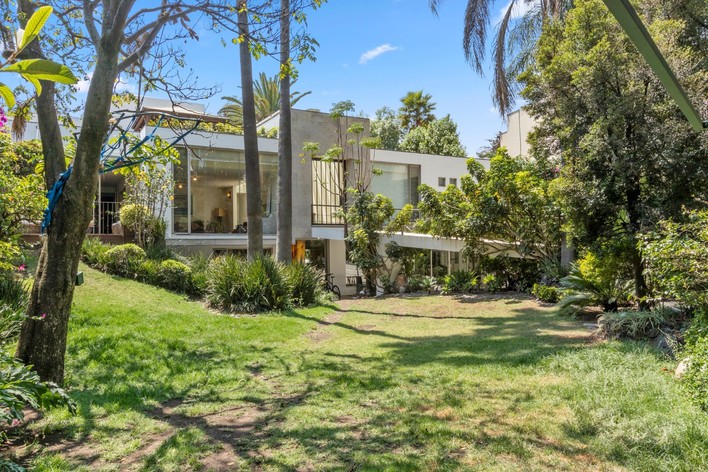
(285, 146)
(254, 208)
(43, 337)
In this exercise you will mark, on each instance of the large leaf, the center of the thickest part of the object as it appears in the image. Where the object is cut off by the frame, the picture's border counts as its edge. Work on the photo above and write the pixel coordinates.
(42, 69)
(35, 82)
(7, 95)
(34, 25)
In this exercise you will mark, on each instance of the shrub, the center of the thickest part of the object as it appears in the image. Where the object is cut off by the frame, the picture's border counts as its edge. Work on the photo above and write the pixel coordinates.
(11, 319)
(459, 281)
(93, 252)
(234, 284)
(223, 274)
(546, 293)
(149, 272)
(124, 260)
(492, 283)
(676, 257)
(20, 388)
(14, 292)
(632, 324)
(591, 283)
(174, 275)
(266, 286)
(306, 282)
(695, 380)
(511, 273)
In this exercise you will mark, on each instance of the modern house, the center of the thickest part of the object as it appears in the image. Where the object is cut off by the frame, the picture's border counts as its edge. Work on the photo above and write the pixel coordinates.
(208, 208)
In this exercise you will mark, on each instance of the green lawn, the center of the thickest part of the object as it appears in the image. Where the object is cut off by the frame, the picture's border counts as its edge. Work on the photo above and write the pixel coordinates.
(415, 383)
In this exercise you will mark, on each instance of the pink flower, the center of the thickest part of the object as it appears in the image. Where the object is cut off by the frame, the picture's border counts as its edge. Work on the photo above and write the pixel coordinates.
(21, 267)
(44, 315)
(15, 422)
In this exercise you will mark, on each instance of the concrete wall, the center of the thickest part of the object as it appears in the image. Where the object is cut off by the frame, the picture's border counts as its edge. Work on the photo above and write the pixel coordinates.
(431, 167)
(519, 124)
(309, 126)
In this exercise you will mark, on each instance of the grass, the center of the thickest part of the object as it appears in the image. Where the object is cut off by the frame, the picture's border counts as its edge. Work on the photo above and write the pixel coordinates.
(428, 383)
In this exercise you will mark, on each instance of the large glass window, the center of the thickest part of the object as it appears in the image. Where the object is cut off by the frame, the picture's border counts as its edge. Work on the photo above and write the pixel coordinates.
(210, 192)
(399, 182)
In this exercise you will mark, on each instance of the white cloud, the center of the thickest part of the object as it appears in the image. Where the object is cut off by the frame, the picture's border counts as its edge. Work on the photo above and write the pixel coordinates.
(521, 7)
(82, 86)
(376, 52)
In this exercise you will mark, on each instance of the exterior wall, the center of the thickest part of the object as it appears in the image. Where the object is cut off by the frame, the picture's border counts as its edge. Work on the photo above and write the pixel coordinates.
(309, 126)
(431, 167)
(519, 124)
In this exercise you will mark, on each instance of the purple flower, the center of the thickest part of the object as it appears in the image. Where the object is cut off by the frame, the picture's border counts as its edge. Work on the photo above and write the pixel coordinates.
(44, 315)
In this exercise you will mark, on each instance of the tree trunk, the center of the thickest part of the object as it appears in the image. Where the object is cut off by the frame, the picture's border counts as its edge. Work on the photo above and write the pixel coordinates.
(43, 336)
(640, 285)
(285, 146)
(254, 208)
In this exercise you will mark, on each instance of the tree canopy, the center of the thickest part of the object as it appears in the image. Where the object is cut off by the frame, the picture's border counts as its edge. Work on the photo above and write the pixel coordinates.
(439, 137)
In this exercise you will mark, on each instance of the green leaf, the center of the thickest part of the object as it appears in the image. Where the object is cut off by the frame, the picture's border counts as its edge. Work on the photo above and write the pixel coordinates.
(43, 69)
(34, 82)
(34, 25)
(7, 95)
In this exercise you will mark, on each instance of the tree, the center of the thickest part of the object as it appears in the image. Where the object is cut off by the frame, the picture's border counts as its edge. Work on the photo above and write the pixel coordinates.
(114, 37)
(285, 144)
(440, 137)
(511, 202)
(367, 217)
(266, 96)
(628, 156)
(254, 209)
(513, 38)
(417, 110)
(387, 127)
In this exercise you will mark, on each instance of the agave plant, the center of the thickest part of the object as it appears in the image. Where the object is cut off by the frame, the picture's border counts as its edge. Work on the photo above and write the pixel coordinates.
(582, 291)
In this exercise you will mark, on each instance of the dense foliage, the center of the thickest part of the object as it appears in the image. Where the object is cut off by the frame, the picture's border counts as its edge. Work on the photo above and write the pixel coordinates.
(21, 195)
(510, 202)
(677, 267)
(629, 158)
(439, 137)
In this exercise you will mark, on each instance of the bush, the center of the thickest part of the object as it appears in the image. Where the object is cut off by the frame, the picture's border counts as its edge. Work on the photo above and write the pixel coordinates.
(14, 292)
(511, 273)
(93, 252)
(149, 272)
(124, 260)
(632, 324)
(458, 281)
(695, 380)
(20, 388)
(594, 281)
(676, 257)
(174, 275)
(234, 284)
(491, 283)
(306, 282)
(546, 293)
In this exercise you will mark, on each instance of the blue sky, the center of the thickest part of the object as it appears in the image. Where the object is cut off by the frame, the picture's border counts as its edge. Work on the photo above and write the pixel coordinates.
(416, 51)
(373, 52)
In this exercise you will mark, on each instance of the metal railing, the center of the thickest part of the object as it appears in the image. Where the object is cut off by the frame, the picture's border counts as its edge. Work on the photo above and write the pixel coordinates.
(327, 215)
(104, 215)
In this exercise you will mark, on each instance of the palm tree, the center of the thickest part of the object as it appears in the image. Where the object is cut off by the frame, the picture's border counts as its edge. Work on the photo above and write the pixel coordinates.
(283, 250)
(514, 41)
(266, 96)
(417, 110)
(250, 139)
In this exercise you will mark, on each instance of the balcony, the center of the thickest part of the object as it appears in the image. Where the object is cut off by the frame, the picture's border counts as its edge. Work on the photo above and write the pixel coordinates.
(327, 215)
